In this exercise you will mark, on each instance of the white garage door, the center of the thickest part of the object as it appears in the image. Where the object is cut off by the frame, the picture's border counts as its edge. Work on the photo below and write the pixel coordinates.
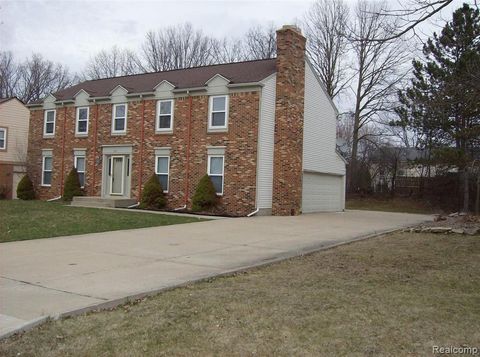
(322, 193)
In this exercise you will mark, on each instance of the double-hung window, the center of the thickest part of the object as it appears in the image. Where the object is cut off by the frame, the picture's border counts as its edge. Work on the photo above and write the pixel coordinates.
(47, 163)
(218, 112)
(79, 161)
(215, 171)
(162, 170)
(3, 138)
(165, 115)
(81, 126)
(119, 120)
(49, 123)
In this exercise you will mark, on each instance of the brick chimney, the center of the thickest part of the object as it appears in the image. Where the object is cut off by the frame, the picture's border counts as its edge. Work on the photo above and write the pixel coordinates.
(288, 149)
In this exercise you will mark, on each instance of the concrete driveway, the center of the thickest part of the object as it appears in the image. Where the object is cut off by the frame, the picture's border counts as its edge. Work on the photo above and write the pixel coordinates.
(58, 276)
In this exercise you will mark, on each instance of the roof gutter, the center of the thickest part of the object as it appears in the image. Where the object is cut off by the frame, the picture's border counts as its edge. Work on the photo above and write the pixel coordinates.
(248, 84)
(147, 94)
(140, 94)
(188, 90)
(34, 105)
(96, 99)
(63, 102)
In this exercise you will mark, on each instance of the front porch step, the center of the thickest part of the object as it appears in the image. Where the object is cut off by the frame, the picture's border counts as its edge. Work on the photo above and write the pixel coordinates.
(90, 201)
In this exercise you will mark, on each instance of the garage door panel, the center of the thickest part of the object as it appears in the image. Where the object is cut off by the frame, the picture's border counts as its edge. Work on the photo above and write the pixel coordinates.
(322, 192)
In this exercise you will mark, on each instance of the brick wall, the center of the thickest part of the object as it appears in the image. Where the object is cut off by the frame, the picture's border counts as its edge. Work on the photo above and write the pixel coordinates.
(288, 150)
(240, 152)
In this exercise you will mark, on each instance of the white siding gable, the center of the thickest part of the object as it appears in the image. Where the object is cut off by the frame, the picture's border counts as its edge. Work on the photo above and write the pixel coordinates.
(49, 102)
(163, 90)
(81, 99)
(266, 131)
(118, 95)
(319, 133)
(217, 85)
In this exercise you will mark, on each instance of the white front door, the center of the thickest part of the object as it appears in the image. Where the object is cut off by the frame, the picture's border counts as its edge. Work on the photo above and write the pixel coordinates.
(117, 177)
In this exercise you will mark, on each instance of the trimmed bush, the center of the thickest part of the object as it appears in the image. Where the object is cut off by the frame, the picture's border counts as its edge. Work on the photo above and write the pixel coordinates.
(152, 194)
(72, 186)
(25, 189)
(205, 196)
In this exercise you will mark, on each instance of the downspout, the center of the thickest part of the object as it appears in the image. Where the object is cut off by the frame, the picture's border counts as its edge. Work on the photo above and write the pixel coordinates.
(142, 138)
(94, 162)
(189, 139)
(63, 148)
(253, 213)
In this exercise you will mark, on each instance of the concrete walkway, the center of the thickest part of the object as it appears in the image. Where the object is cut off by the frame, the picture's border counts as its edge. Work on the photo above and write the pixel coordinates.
(59, 276)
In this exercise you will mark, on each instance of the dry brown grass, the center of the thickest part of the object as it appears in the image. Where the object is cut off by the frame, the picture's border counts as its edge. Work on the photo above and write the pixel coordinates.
(397, 204)
(395, 295)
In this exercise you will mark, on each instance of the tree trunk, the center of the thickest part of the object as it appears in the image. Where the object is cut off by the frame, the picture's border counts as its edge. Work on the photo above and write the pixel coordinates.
(477, 199)
(394, 179)
(465, 189)
(353, 160)
(356, 128)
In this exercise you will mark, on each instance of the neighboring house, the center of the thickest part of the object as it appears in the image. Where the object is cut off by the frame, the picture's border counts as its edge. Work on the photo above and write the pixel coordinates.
(14, 117)
(393, 164)
(263, 130)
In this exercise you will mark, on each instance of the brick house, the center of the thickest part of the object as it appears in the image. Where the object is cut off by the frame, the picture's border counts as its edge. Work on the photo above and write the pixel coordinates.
(14, 117)
(263, 130)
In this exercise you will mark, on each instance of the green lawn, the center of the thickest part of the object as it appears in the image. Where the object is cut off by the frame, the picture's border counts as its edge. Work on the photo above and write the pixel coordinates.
(396, 295)
(21, 220)
(406, 205)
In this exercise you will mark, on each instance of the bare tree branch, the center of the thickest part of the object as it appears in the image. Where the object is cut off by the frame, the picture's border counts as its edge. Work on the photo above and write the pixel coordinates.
(176, 47)
(325, 25)
(411, 15)
(112, 63)
(260, 42)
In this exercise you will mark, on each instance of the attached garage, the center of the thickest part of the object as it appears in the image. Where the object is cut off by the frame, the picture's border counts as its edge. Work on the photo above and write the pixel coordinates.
(322, 192)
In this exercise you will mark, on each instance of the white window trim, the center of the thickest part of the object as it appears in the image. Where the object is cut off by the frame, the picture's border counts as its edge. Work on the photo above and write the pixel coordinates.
(216, 175)
(210, 112)
(124, 131)
(5, 133)
(157, 124)
(45, 122)
(75, 158)
(43, 170)
(163, 173)
(78, 120)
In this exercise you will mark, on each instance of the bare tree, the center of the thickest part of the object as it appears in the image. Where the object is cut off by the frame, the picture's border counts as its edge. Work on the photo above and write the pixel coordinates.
(112, 63)
(325, 26)
(9, 75)
(32, 79)
(377, 69)
(176, 47)
(260, 42)
(228, 50)
(39, 77)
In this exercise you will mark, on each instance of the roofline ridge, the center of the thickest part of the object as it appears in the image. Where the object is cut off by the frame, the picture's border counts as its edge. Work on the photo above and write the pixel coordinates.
(177, 69)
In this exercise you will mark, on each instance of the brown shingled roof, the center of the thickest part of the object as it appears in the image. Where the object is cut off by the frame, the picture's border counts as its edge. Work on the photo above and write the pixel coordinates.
(239, 72)
(3, 100)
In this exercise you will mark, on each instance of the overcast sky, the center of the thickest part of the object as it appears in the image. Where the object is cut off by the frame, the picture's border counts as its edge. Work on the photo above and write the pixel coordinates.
(70, 32)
